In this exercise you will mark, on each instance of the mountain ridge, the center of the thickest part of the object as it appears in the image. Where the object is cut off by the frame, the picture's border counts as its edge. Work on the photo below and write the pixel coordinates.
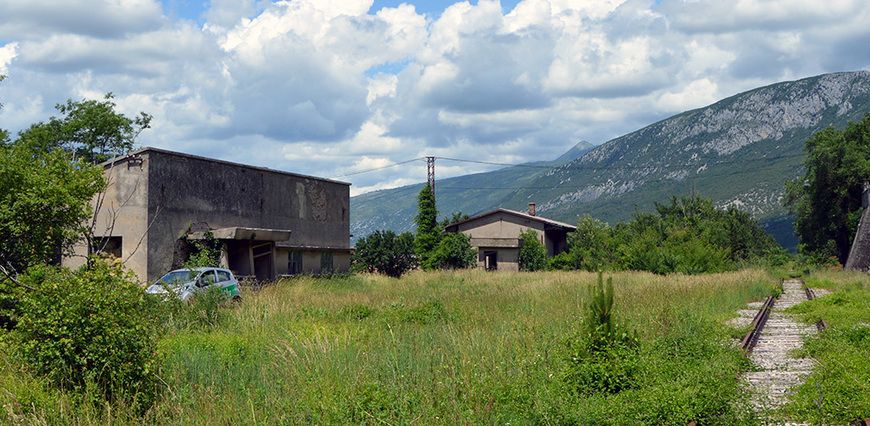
(739, 151)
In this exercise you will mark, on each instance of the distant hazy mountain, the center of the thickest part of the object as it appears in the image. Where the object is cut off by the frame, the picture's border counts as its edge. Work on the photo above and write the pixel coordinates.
(738, 151)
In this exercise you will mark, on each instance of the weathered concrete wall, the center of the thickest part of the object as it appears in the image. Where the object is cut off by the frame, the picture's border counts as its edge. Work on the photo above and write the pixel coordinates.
(859, 255)
(122, 213)
(507, 258)
(501, 225)
(184, 190)
(311, 261)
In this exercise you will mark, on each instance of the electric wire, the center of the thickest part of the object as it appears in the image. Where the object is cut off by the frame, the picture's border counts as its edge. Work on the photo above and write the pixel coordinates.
(379, 168)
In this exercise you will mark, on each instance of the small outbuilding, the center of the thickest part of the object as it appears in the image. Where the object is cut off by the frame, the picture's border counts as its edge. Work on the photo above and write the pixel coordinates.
(496, 236)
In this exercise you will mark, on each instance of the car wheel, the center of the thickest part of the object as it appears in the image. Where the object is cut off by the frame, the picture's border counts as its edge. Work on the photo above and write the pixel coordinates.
(237, 298)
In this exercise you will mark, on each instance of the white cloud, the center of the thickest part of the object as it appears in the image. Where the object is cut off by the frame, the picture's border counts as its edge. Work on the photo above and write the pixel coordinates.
(330, 86)
(26, 19)
(7, 54)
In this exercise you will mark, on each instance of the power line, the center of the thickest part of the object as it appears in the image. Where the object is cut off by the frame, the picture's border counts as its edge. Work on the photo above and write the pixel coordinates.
(380, 168)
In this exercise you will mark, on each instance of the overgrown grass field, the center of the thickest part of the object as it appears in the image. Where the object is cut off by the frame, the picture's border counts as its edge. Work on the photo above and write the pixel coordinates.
(435, 348)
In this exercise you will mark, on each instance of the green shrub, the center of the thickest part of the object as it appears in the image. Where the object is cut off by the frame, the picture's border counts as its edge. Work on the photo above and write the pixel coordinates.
(386, 253)
(92, 327)
(454, 251)
(206, 252)
(562, 262)
(533, 255)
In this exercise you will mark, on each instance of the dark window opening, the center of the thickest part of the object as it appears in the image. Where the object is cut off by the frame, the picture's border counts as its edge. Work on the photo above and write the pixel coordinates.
(294, 263)
(326, 262)
(110, 246)
(490, 260)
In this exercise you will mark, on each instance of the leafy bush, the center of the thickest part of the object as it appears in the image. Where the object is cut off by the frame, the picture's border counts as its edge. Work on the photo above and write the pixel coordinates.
(562, 262)
(386, 253)
(533, 255)
(91, 327)
(454, 252)
(206, 252)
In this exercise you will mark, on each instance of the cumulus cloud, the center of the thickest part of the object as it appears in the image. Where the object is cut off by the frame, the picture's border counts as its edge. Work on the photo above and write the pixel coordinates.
(7, 54)
(328, 87)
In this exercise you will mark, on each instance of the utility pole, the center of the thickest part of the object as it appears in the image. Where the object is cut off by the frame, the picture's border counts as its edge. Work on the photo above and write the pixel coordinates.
(430, 172)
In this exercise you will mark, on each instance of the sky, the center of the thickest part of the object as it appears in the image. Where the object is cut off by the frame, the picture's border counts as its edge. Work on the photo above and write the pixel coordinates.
(334, 87)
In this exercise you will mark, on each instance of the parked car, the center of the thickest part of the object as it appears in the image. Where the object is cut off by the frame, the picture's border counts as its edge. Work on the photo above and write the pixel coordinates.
(185, 283)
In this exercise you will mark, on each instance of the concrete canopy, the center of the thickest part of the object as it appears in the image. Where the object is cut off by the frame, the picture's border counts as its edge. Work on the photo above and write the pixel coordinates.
(244, 233)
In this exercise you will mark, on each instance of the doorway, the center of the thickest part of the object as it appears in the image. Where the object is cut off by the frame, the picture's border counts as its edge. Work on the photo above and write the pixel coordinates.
(264, 261)
(490, 260)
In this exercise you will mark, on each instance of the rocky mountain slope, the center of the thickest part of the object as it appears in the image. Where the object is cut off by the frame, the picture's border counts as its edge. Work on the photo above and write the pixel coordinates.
(738, 151)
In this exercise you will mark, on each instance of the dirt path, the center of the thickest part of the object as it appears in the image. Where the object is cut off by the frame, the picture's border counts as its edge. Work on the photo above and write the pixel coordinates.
(781, 334)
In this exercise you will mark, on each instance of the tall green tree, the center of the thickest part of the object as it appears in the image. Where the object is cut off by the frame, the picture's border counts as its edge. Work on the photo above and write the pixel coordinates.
(428, 232)
(591, 245)
(92, 130)
(44, 203)
(826, 201)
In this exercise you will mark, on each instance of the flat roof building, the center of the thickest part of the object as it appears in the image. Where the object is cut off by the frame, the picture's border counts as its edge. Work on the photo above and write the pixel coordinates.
(496, 236)
(268, 222)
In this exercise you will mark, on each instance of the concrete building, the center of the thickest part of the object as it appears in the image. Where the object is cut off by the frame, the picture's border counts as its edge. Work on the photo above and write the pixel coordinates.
(859, 255)
(268, 223)
(496, 236)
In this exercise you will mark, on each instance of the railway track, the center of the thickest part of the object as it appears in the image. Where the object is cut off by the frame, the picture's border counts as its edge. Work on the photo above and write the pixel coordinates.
(773, 337)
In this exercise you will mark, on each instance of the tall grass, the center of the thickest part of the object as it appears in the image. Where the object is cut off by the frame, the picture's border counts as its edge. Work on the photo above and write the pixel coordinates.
(436, 348)
(838, 390)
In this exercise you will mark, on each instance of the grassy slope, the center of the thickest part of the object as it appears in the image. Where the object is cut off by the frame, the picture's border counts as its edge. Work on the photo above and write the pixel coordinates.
(838, 390)
(464, 347)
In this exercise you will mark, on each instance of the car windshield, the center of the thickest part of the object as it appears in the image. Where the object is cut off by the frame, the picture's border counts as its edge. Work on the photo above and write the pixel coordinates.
(176, 278)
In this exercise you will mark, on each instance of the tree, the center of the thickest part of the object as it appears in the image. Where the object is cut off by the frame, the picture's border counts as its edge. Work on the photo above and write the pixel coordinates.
(44, 203)
(428, 232)
(826, 201)
(89, 129)
(591, 245)
(454, 251)
(533, 255)
(386, 253)
(449, 220)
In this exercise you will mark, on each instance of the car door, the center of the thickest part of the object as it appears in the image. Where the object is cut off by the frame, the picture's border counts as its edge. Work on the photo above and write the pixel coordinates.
(206, 279)
(227, 283)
